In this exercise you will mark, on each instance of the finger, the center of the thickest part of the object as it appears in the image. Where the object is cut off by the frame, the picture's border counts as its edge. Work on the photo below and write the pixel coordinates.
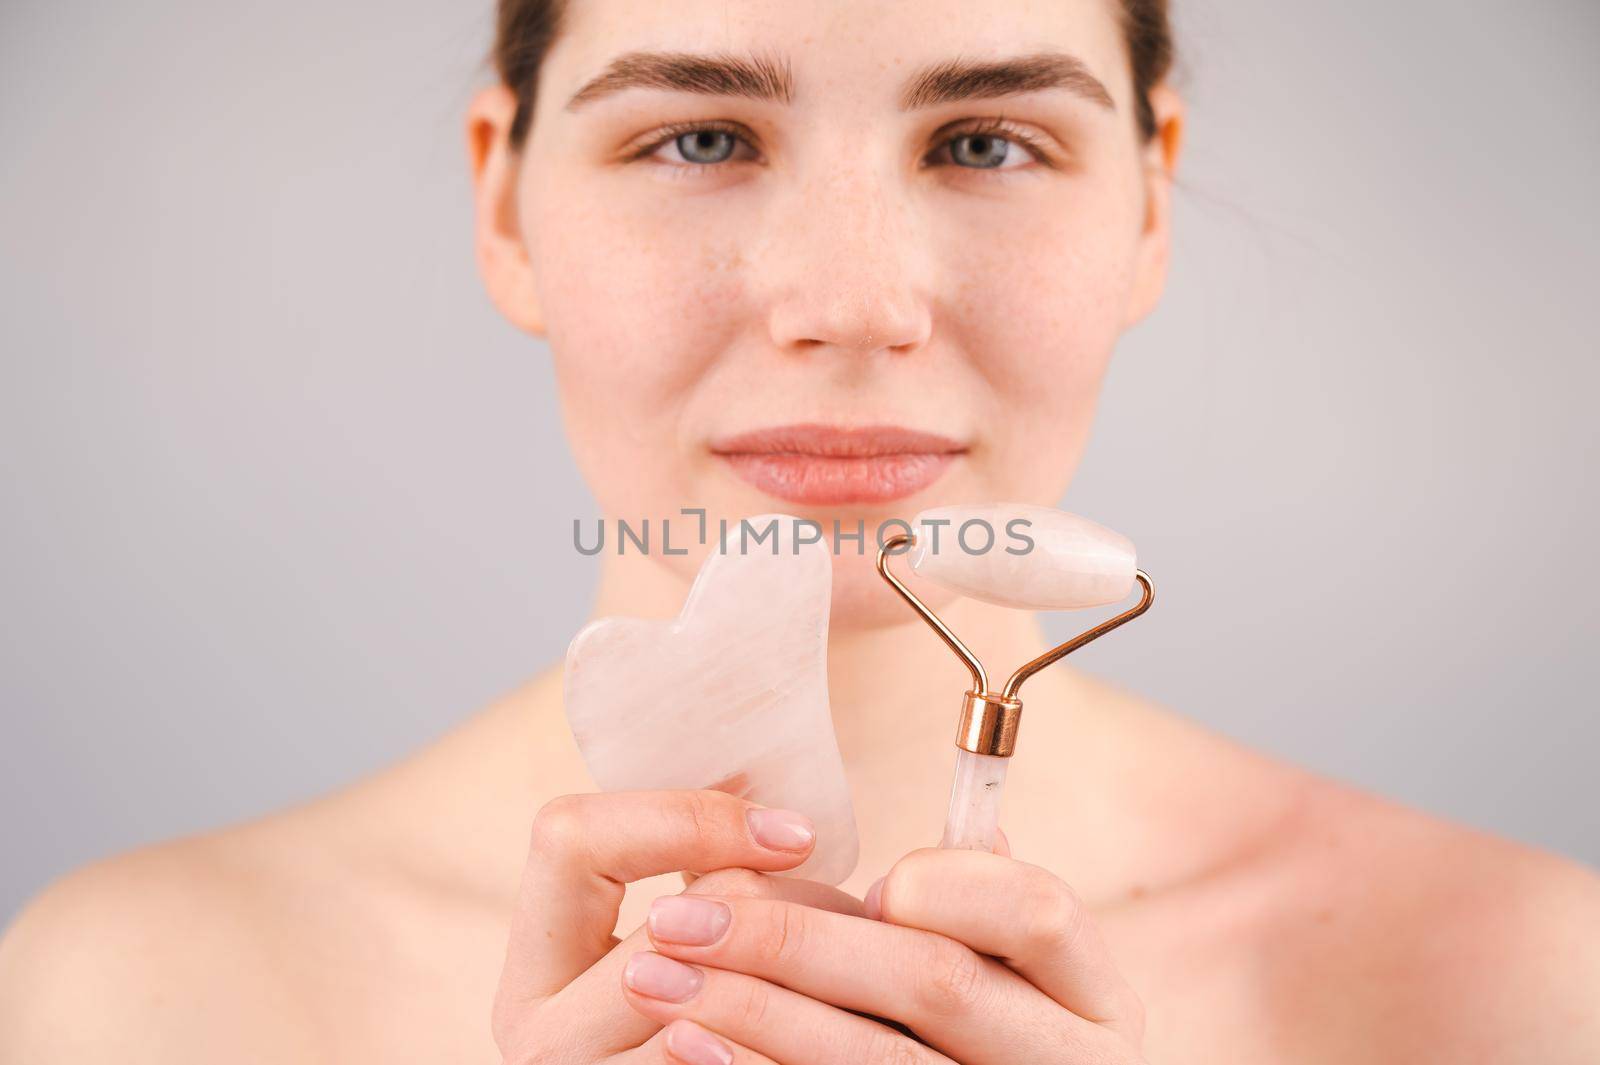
(683, 1042)
(593, 995)
(871, 902)
(969, 1006)
(1002, 842)
(772, 1020)
(747, 884)
(584, 848)
(735, 784)
(1025, 916)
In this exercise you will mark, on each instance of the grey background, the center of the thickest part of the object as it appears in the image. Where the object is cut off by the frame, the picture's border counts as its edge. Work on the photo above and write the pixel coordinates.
(284, 498)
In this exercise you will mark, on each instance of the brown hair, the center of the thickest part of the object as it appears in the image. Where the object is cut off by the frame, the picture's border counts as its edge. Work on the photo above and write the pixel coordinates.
(525, 29)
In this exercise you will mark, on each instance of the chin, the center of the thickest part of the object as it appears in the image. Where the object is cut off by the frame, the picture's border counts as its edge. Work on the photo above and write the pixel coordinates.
(863, 600)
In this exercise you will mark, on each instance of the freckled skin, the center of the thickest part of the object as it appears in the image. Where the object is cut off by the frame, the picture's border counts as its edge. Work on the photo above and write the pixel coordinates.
(1262, 914)
(677, 310)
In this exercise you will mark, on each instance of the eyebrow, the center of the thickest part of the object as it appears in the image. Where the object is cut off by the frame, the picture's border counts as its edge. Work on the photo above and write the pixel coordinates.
(756, 77)
(769, 79)
(972, 79)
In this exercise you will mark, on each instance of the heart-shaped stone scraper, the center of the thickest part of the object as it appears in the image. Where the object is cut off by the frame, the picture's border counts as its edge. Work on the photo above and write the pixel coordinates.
(730, 694)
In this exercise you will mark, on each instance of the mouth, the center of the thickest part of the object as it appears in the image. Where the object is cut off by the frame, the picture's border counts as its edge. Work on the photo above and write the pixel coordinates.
(823, 465)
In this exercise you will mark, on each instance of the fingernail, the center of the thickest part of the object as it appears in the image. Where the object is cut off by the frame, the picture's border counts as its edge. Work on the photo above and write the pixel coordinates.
(687, 920)
(781, 830)
(662, 978)
(873, 903)
(693, 1045)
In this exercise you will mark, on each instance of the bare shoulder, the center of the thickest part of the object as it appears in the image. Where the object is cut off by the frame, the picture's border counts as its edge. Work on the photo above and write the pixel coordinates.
(1445, 942)
(1359, 928)
(369, 922)
(162, 954)
(295, 936)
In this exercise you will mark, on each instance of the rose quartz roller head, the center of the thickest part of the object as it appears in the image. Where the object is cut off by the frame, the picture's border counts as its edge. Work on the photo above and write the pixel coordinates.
(1015, 555)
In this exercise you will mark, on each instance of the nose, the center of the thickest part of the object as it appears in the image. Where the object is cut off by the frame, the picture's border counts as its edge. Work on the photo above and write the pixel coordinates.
(848, 263)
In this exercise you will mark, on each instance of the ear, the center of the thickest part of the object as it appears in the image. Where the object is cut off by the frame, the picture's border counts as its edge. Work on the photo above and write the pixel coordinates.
(497, 236)
(1159, 159)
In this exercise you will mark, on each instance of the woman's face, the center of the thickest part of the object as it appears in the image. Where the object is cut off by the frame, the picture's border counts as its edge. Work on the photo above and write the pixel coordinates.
(926, 214)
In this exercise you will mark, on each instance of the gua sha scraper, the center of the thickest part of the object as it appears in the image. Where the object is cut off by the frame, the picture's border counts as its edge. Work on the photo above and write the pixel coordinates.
(1072, 564)
(731, 694)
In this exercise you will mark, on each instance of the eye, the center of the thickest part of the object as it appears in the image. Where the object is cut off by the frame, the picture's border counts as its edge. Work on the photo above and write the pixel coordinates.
(692, 146)
(992, 145)
(982, 150)
(705, 145)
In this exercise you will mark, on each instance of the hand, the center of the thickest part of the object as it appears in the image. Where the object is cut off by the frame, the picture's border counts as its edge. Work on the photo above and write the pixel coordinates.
(558, 1001)
(986, 959)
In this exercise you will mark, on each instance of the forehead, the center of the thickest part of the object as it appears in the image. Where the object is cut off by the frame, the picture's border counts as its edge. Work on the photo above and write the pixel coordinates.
(842, 49)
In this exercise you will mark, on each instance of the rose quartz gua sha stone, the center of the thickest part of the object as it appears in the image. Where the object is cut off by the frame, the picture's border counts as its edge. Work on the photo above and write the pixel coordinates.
(730, 694)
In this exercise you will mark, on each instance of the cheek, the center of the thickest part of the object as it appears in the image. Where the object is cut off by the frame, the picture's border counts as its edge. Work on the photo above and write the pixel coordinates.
(1039, 310)
(636, 308)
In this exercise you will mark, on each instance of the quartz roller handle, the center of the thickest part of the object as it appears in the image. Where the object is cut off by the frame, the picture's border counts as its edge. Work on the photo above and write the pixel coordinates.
(974, 818)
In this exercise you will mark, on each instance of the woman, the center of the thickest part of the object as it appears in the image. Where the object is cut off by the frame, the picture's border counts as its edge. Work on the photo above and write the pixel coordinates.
(845, 261)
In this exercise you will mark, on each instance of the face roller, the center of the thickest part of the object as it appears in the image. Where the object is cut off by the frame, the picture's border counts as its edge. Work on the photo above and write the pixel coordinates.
(1072, 564)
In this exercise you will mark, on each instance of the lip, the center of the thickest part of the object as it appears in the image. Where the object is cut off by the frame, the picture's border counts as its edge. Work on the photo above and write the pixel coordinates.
(822, 465)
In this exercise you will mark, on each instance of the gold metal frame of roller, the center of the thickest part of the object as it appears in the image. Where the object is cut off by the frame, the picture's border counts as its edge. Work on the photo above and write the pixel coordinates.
(989, 719)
